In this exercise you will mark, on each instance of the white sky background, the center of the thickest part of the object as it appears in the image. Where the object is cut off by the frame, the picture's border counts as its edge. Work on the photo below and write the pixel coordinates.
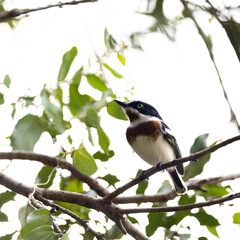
(178, 78)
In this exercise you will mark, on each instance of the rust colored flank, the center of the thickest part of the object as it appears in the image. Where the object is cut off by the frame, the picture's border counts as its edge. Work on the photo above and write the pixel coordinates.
(151, 129)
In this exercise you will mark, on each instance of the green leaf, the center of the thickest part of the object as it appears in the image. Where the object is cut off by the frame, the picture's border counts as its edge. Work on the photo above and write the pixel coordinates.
(207, 220)
(111, 179)
(77, 101)
(113, 233)
(71, 185)
(116, 111)
(114, 73)
(56, 124)
(195, 168)
(36, 219)
(1, 99)
(154, 222)
(24, 139)
(6, 197)
(214, 191)
(142, 186)
(23, 213)
(46, 176)
(87, 236)
(7, 236)
(106, 39)
(7, 81)
(92, 118)
(83, 161)
(44, 232)
(103, 140)
(236, 218)
(67, 60)
(102, 156)
(132, 219)
(121, 58)
(96, 82)
(3, 217)
(213, 231)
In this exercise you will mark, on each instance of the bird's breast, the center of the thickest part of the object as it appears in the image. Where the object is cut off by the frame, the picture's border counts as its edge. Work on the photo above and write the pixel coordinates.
(150, 129)
(149, 143)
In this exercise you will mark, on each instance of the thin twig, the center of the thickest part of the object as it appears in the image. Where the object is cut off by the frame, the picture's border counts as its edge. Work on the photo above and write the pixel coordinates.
(209, 48)
(81, 221)
(56, 162)
(4, 16)
(173, 163)
(182, 207)
(193, 184)
(37, 205)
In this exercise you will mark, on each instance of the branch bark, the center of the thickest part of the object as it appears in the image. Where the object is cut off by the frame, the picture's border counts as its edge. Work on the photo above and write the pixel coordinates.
(173, 163)
(170, 195)
(4, 16)
(110, 210)
(56, 162)
(183, 207)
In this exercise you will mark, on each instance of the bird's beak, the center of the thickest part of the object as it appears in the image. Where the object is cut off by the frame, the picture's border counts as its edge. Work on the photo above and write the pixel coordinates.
(122, 104)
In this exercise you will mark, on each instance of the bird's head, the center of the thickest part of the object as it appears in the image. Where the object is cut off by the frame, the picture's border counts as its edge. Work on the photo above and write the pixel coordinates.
(136, 110)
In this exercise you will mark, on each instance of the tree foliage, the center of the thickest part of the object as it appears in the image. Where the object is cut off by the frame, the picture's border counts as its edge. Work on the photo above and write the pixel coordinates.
(68, 102)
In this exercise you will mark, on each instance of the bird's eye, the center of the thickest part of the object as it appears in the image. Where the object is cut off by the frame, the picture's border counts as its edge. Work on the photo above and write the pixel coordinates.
(139, 105)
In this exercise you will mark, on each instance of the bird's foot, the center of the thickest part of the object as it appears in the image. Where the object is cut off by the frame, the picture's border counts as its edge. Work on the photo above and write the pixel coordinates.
(159, 167)
(142, 176)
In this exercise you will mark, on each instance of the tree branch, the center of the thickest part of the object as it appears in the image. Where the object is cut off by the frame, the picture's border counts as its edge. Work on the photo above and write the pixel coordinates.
(81, 221)
(4, 16)
(166, 196)
(182, 207)
(173, 163)
(56, 162)
(209, 48)
(110, 210)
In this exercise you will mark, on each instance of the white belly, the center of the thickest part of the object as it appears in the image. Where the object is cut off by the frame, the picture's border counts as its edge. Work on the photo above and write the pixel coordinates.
(153, 152)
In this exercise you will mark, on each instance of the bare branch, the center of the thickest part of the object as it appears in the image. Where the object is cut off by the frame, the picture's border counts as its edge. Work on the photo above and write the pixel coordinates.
(56, 162)
(173, 163)
(209, 48)
(81, 221)
(166, 196)
(4, 16)
(110, 210)
(183, 207)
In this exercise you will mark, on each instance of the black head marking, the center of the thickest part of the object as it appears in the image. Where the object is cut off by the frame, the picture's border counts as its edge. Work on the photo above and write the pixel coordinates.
(144, 108)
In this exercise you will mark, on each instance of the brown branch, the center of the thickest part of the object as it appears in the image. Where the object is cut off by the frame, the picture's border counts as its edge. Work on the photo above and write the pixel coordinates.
(110, 210)
(209, 48)
(56, 162)
(182, 207)
(173, 163)
(4, 16)
(37, 205)
(81, 221)
(193, 184)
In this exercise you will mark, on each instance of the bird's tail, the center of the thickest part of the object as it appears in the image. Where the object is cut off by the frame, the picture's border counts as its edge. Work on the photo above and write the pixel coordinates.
(179, 184)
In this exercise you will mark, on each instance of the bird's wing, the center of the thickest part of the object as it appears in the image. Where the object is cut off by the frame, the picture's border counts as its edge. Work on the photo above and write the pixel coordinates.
(173, 142)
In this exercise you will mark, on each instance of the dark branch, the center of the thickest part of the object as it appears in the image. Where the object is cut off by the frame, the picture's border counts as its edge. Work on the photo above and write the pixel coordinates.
(110, 210)
(56, 162)
(183, 207)
(193, 184)
(173, 163)
(4, 16)
(81, 221)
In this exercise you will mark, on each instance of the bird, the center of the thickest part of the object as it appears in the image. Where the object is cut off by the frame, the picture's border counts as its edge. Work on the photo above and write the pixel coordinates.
(151, 138)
